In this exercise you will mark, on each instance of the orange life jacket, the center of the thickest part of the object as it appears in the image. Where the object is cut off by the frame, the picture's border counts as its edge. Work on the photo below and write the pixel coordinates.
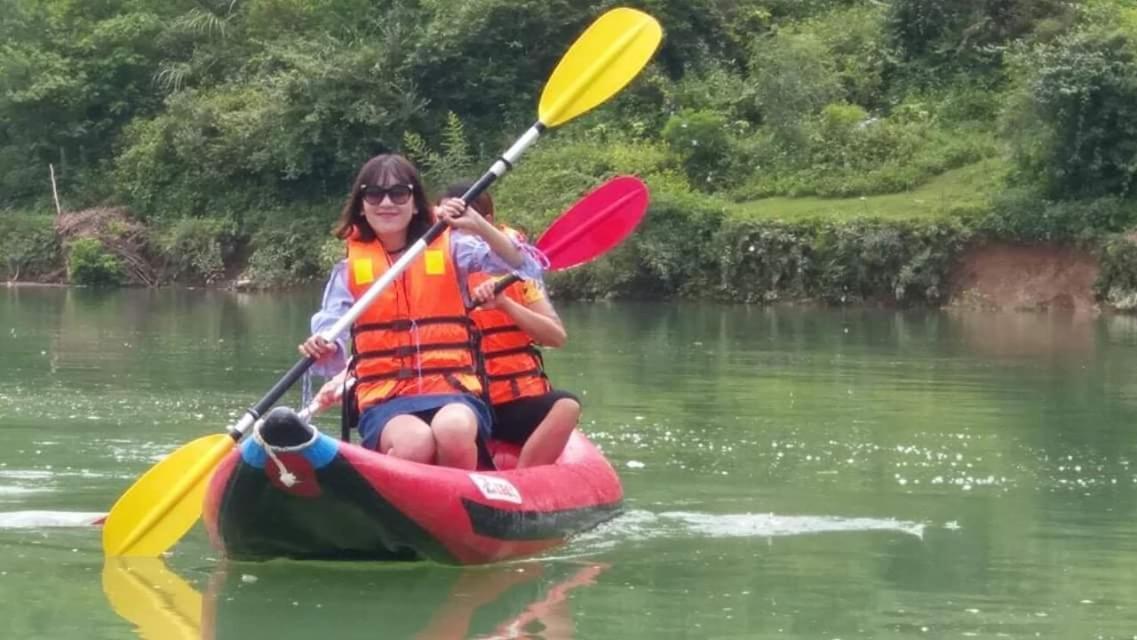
(513, 365)
(416, 337)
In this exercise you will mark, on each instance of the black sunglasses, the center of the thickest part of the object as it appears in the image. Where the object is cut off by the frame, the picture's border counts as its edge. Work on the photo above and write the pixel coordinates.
(399, 193)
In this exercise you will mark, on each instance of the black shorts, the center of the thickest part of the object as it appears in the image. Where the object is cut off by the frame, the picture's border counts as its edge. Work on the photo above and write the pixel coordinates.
(515, 421)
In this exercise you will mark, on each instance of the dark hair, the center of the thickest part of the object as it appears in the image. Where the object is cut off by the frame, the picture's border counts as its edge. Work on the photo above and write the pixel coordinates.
(483, 203)
(387, 168)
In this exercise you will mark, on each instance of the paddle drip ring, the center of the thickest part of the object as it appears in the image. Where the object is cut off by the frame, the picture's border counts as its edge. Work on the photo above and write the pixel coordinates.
(287, 478)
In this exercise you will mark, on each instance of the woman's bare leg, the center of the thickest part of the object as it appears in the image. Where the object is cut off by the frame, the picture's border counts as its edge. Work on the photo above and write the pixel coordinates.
(455, 428)
(408, 438)
(544, 446)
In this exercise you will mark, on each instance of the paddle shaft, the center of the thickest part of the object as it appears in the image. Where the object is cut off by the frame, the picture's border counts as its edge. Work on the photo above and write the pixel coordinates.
(499, 168)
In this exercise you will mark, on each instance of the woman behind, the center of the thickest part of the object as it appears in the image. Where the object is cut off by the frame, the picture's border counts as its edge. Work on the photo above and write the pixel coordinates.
(413, 352)
(528, 411)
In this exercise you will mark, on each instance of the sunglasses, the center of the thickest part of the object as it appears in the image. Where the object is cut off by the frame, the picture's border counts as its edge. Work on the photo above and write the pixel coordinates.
(399, 193)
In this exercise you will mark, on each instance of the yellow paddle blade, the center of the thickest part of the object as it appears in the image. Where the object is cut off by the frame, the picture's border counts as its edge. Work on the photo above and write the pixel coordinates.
(154, 599)
(602, 61)
(164, 503)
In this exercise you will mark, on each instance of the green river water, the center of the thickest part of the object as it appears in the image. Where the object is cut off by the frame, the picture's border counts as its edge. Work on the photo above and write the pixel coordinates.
(789, 473)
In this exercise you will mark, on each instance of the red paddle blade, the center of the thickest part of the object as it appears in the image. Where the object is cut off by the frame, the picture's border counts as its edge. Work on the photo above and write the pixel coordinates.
(596, 223)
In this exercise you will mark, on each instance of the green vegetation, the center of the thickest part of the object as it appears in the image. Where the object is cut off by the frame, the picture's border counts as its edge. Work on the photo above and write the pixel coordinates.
(28, 245)
(89, 263)
(967, 190)
(857, 145)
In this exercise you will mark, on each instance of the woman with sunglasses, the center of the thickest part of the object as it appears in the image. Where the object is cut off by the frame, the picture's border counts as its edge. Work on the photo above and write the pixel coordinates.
(413, 350)
(528, 411)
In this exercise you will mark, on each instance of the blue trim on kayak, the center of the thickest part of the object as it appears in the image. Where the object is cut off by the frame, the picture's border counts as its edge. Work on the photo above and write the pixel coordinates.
(253, 454)
(320, 453)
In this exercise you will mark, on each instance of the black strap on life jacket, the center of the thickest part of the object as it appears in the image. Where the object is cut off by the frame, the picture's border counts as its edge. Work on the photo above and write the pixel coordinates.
(532, 350)
(406, 324)
(408, 350)
(517, 374)
(409, 373)
(505, 328)
(512, 351)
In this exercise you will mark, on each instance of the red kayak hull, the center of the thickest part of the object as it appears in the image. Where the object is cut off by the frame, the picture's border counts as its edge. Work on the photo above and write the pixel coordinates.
(351, 502)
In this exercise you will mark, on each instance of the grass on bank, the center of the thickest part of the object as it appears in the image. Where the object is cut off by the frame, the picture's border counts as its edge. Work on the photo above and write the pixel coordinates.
(966, 189)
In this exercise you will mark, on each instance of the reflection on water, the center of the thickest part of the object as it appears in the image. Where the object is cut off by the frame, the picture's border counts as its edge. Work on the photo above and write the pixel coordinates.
(154, 599)
(307, 600)
(1007, 334)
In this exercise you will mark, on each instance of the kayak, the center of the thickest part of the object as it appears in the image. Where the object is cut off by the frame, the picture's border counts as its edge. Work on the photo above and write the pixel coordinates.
(291, 491)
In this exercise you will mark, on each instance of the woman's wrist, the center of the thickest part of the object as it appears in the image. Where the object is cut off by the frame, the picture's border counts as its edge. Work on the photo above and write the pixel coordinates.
(485, 228)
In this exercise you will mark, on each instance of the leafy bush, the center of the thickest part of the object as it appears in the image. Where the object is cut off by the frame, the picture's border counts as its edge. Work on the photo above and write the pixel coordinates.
(906, 262)
(702, 143)
(1025, 215)
(966, 35)
(854, 37)
(287, 254)
(89, 263)
(794, 78)
(1074, 124)
(331, 252)
(1117, 278)
(28, 244)
(844, 152)
(718, 89)
(196, 250)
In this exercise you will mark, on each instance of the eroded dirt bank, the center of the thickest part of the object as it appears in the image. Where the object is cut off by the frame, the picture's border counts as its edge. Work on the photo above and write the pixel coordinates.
(1035, 277)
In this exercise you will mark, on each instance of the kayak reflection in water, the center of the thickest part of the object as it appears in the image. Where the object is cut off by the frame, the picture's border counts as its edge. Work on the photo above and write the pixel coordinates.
(347, 601)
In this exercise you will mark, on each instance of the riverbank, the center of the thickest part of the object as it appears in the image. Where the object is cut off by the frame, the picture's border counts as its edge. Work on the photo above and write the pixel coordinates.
(942, 244)
(991, 276)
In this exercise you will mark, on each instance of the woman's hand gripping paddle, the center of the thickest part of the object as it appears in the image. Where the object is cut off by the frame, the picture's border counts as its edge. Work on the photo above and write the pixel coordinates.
(164, 503)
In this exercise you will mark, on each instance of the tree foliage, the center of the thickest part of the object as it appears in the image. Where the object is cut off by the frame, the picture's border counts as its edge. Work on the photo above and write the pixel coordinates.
(969, 34)
(1076, 131)
(233, 127)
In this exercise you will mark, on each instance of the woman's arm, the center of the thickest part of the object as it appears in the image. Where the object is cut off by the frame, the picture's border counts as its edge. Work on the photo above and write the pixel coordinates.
(473, 255)
(337, 300)
(463, 218)
(500, 243)
(538, 319)
(332, 391)
(535, 316)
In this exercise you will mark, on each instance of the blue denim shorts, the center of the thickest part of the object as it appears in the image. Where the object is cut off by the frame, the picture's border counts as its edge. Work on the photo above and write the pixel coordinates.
(373, 420)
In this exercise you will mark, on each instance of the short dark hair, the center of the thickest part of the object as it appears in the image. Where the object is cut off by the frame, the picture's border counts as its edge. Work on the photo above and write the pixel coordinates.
(483, 203)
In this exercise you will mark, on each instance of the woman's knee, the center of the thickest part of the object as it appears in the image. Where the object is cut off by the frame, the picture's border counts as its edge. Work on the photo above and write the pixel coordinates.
(567, 407)
(408, 438)
(455, 423)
